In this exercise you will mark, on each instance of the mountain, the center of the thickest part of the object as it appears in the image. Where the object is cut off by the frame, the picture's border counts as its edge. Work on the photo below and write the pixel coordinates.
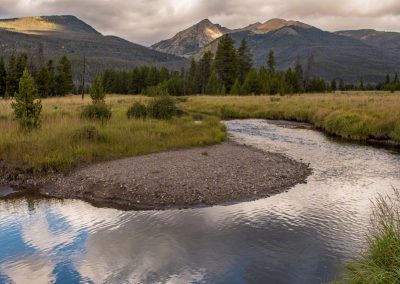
(387, 40)
(191, 40)
(275, 24)
(347, 55)
(55, 36)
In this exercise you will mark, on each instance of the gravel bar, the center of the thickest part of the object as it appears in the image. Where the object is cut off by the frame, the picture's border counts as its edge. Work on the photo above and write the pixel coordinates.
(220, 174)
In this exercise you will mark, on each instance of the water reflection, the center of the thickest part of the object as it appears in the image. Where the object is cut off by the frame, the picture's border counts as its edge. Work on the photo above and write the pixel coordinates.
(302, 236)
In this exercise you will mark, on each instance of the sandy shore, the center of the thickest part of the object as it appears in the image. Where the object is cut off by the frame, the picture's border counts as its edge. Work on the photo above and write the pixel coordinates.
(220, 174)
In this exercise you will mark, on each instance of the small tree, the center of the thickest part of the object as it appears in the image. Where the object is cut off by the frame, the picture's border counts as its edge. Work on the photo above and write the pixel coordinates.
(27, 107)
(97, 92)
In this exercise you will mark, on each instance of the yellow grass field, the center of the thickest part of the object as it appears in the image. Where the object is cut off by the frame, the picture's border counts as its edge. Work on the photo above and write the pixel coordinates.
(65, 140)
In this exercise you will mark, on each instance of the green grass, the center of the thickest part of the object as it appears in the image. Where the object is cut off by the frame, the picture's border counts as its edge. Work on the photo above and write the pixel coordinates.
(380, 263)
(355, 116)
(65, 140)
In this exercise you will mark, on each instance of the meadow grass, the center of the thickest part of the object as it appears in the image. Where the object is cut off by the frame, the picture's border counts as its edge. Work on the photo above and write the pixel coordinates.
(353, 115)
(65, 140)
(380, 263)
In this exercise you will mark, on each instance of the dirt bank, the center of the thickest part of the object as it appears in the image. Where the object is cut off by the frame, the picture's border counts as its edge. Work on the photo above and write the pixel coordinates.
(219, 174)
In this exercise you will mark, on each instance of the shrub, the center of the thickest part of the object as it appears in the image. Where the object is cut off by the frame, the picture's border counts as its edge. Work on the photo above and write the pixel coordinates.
(156, 91)
(163, 107)
(137, 110)
(98, 111)
(97, 92)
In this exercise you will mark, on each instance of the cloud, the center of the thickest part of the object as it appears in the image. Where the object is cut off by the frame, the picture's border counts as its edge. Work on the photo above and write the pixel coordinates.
(148, 21)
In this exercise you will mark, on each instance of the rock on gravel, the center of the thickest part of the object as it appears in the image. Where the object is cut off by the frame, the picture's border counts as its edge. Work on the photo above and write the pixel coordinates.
(219, 174)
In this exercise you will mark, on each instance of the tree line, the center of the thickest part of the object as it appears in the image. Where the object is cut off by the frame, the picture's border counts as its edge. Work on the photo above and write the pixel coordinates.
(230, 71)
(50, 80)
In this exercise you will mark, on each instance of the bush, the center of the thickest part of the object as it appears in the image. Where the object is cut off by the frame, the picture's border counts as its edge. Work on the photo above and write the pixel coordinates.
(163, 107)
(157, 91)
(98, 111)
(137, 110)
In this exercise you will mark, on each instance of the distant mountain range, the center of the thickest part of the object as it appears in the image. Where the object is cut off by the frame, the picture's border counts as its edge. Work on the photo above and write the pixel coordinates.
(349, 55)
(67, 35)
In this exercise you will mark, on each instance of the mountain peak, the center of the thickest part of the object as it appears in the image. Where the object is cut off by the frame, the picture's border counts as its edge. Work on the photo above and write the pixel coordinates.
(191, 39)
(276, 23)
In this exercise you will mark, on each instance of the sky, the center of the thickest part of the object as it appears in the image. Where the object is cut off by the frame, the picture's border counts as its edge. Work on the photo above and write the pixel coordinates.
(149, 21)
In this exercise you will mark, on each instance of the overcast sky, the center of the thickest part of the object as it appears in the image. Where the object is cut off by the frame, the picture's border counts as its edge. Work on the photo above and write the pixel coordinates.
(148, 21)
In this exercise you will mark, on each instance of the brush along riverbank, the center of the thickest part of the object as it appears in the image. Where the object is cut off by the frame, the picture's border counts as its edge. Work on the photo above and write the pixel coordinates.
(357, 116)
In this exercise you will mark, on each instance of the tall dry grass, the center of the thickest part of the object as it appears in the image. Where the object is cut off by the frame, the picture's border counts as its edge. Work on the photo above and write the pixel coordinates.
(65, 140)
(354, 115)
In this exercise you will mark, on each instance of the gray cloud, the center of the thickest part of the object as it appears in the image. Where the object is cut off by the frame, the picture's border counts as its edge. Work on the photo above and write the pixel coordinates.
(148, 21)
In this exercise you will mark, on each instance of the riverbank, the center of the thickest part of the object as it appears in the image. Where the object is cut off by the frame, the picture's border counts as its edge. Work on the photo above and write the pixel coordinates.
(219, 174)
(371, 117)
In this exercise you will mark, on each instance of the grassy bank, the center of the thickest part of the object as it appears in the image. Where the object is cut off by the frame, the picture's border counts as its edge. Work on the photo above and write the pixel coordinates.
(356, 116)
(380, 263)
(65, 140)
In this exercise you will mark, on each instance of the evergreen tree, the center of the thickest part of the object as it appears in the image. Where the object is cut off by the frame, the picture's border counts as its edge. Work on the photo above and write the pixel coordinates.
(27, 107)
(333, 85)
(205, 65)
(52, 77)
(97, 92)
(236, 88)
(21, 65)
(226, 61)
(342, 86)
(193, 84)
(3, 78)
(12, 79)
(252, 84)
(214, 85)
(271, 62)
(43, 82)
(63, 78)
(245, 59)
(298, 88)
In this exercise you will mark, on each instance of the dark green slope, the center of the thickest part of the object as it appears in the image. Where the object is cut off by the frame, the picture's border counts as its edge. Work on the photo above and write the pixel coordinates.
(335, 56)
(67, 35)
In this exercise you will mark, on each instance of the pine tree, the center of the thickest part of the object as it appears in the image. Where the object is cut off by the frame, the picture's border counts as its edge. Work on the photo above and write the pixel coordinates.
(333, 85)
(21, 65)
(342, 86)
(205, 70)
(245, 59)
(52, 77)
(298, 88)
(236, 88)
(252, 84)
(27, 107)
(63, 78)
(214, 85)
(3, 78)
(226, 61)
(271, 62)
(97, 92)
(42, 80)
(192, 78)
(12, 79)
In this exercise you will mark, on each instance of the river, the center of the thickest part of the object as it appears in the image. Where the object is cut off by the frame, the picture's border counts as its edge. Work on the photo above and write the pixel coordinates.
(304, 235)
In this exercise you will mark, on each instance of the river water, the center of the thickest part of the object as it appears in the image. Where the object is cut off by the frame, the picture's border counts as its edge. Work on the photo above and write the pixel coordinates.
(302, 236)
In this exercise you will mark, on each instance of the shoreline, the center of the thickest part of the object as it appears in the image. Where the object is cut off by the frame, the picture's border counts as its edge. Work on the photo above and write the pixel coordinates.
(221, 174)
